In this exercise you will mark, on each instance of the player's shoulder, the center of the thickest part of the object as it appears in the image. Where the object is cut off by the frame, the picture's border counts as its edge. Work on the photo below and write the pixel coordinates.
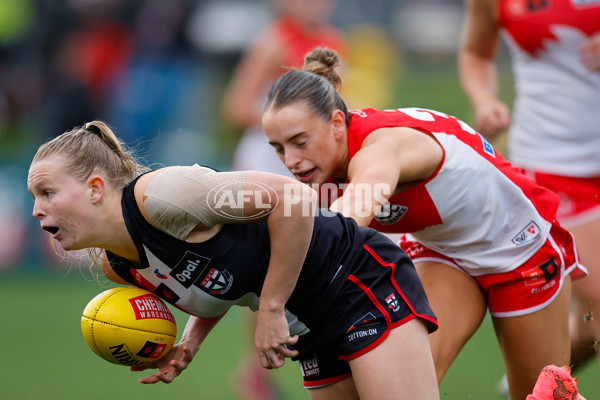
(168, 176)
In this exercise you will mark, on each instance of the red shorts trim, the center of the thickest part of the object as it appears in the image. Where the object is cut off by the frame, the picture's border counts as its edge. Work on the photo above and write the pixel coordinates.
(526, 289)
(397, 287)
(579, 196)
(386, 315)
(325, 382)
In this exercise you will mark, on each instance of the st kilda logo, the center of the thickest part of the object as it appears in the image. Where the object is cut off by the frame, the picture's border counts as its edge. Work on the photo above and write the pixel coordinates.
(217, 282)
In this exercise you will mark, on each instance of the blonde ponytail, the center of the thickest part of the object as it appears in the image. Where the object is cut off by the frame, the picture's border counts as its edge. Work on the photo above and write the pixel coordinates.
(92, 147)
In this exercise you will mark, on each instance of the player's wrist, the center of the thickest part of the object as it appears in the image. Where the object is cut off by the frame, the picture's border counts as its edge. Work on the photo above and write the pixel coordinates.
(483, 97)
(271, 306)
(191, 344)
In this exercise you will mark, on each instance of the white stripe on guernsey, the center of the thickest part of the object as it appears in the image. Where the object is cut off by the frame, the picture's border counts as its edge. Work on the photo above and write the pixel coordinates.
(336, 272)
(197, 302)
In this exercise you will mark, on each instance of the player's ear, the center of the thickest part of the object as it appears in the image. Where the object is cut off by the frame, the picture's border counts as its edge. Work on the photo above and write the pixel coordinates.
(96, 187)
(338, 122)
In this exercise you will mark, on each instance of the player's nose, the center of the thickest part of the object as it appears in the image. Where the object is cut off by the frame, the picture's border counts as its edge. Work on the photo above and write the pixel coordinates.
(292, 159)
(38, 211)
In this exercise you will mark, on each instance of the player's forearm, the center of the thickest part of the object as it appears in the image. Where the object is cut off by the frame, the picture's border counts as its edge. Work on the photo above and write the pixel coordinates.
(478, 77)
(196, 330)
(349, 207)
(361, 201)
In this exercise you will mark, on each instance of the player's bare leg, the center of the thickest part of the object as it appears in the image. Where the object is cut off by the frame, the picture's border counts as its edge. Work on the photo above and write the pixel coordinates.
(343, 390)
(585, 318)
(459, 306)
(530, 342)
(582, 335)
(403, 365)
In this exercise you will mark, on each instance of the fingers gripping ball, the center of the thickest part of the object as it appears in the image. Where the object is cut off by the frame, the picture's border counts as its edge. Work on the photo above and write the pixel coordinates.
(128, 326)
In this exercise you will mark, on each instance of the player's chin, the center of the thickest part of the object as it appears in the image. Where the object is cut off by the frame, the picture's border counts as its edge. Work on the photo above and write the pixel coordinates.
(69, 245)
(318, 181)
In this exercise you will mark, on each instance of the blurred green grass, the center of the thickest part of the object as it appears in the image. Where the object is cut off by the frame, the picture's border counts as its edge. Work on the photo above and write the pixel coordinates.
(44, 355)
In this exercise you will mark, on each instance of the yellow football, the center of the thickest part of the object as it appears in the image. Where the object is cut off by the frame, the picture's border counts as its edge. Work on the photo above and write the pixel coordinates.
(128, 326)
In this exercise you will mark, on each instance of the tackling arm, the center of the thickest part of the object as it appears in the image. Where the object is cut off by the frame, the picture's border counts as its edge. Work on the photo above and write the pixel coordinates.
(291, 216)
(389, 159)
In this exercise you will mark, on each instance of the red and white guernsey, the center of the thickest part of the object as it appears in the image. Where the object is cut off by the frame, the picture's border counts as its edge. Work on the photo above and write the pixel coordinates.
(475, 208)
(556, 116)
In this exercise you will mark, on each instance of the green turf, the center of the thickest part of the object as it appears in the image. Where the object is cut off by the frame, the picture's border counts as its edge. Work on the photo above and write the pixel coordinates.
(44, 355)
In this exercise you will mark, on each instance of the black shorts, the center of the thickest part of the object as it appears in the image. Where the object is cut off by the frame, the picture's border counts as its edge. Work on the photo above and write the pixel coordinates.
(382, 291)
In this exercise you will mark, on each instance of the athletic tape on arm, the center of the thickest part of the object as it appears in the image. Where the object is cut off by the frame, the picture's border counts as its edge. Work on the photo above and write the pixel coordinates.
(176, 199)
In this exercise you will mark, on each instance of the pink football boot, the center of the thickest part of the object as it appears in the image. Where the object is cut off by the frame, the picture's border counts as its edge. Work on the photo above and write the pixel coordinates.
(555, 383)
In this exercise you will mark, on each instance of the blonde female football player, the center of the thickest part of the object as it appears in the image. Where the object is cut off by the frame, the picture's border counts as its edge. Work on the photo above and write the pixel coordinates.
(343, 300)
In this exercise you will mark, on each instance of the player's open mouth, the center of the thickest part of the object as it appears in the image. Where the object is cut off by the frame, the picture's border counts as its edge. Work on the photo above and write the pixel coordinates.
(52, 229)
(305, 176)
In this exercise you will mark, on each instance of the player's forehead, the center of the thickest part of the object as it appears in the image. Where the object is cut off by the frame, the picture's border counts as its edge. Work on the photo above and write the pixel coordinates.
(47, 170)
(296, 111)
(289, 121)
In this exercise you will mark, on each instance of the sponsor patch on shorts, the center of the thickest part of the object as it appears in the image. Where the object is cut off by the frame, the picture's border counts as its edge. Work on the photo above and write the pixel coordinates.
(310, 366)
(528, 234)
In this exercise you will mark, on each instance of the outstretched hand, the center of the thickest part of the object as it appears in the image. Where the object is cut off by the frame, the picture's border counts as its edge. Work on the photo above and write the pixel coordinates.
(170, 366)
(272, 338)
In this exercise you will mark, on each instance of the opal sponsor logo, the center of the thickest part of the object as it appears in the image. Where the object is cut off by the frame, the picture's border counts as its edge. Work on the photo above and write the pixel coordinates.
(189, 269)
